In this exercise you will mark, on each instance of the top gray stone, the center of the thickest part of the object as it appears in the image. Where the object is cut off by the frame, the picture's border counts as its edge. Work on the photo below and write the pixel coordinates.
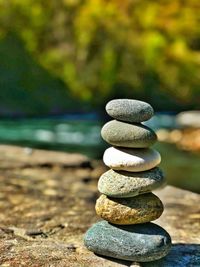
(129, 110)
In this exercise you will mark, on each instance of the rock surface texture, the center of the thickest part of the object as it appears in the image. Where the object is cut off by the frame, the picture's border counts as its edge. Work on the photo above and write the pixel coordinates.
(47, 205)
(135, 242)
(132, 160)
(128, 184)
(118, 133)
(138, 209)
(133, 205)
(129, 110)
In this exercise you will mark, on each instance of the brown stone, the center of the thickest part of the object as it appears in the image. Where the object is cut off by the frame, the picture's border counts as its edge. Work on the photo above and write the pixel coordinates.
(139, 209)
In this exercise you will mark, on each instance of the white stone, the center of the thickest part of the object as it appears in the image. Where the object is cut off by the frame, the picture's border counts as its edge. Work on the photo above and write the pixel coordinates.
(189, 119)
(129, 159)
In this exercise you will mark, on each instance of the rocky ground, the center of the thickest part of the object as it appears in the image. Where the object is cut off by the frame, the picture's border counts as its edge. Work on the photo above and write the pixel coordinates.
(47, 203)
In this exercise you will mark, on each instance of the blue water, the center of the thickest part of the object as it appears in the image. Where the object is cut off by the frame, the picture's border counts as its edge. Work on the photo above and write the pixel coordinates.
(67, 133)
(83, 136)
(59, 134)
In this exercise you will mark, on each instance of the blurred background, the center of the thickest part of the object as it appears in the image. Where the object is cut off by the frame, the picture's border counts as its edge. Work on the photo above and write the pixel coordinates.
(61, 61)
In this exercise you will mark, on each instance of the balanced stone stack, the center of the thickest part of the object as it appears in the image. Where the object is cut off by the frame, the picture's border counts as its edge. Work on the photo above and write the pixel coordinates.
(127, 204)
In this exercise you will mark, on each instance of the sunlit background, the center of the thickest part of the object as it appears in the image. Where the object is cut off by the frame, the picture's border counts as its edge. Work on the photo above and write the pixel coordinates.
(61, 61)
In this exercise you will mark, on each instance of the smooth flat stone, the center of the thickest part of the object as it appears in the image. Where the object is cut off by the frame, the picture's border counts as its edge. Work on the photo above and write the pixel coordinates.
(129, 110)
(122, 184)
(140, 243)
(118, 133)
(139, 209)
(132, 160)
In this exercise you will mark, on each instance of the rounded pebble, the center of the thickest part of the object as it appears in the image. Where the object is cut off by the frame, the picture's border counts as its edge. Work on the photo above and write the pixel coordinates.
(118, 133)
(139, 242)
(129, 110)
(122, 184)
(139, 209)
(132, 160)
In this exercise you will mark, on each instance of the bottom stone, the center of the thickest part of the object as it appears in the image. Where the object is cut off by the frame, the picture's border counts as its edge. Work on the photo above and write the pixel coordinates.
(139, 242)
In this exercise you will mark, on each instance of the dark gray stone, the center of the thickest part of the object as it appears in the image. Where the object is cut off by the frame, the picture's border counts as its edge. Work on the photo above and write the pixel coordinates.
(118, 133)
(121, 184)
(129, 110)
(141, 243)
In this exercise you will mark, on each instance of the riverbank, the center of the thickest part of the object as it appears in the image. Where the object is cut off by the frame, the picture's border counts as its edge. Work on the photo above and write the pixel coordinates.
(83, 136)
(47, 203)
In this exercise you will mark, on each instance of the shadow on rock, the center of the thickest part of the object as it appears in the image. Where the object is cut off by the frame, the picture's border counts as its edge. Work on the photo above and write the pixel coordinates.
(181, 255)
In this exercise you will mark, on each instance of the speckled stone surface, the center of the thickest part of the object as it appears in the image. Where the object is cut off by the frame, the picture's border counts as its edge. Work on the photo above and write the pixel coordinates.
(139, 209)
(129, 110)
(132, 160)
(124, 184)
(140, 243)
(118, 133)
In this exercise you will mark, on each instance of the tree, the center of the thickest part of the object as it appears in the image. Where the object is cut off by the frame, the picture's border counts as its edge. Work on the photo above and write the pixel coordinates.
(100, 48)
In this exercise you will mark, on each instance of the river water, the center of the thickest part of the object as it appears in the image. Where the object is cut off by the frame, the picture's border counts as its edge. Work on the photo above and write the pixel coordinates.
(79, 135)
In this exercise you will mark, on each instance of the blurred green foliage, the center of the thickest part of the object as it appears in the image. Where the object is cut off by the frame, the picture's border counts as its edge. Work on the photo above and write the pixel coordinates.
(28, 89)
(102, 49)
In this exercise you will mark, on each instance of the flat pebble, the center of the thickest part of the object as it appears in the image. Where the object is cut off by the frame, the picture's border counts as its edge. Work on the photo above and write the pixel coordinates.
(129, 110)
(132, 160)
(123, 134)
(133, 210)
(124, 184)
(139, 242)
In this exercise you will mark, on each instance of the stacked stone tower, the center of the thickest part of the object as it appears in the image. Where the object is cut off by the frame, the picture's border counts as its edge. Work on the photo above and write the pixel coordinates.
(127, 205)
